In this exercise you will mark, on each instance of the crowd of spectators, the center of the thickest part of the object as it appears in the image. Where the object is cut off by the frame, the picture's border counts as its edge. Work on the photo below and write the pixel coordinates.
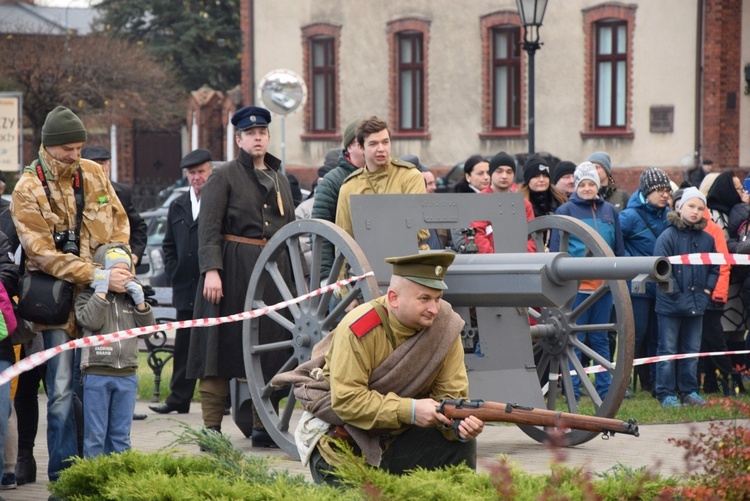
(210, 260)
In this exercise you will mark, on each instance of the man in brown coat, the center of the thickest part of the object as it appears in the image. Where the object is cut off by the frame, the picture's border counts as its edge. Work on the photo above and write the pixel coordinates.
(243, 204)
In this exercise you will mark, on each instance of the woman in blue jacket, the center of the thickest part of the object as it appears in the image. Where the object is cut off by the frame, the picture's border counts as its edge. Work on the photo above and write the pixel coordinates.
(642, 222)
(680, 312)
(588, 206)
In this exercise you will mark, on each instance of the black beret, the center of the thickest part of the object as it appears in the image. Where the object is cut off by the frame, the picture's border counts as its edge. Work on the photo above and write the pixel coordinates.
(95, 153)
(502, 159)
(195, 158)
(251, 116)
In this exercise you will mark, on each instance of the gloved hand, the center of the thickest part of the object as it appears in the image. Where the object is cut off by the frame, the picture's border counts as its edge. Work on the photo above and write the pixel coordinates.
(101, 280)
(136, 291)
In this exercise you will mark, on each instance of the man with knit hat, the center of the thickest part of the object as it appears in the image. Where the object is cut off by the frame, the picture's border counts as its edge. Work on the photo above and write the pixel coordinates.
(502, 173)
(644, 219)
(608, 188)
(327, 192)
(562, 177)
(39, 218)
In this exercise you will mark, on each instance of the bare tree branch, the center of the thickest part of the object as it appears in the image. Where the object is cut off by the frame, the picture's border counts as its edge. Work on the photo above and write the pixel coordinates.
(93, 75)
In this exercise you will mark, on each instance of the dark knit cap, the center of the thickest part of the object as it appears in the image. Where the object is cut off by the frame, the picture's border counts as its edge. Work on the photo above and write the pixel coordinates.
(350, 133)
(602, 159)
(62, 126)
(502, 159)
(654, 179)
(534, 166)
(562, 169)
(331, 159)
(195, 158)
(95, 153)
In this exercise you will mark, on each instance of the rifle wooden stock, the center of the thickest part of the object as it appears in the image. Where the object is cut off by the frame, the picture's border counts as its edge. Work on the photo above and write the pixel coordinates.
(514, 413)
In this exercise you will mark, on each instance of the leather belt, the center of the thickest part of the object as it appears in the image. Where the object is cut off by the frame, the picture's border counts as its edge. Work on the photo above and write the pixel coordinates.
(245, 240)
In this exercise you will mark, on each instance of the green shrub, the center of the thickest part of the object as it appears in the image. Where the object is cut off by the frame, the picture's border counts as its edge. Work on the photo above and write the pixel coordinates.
(226, 473)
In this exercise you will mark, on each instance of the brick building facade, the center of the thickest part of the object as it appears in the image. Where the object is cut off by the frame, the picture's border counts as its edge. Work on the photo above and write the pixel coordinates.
(683, 57)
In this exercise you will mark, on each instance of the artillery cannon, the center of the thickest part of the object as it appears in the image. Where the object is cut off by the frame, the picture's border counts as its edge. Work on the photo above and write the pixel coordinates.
(508, 357)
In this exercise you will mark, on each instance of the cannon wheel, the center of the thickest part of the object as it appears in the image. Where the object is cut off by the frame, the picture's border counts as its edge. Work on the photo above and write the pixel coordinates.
(308, 322)
(555, 354)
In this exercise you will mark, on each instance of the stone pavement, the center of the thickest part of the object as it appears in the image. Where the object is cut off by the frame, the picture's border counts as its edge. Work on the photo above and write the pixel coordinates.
(651, 449)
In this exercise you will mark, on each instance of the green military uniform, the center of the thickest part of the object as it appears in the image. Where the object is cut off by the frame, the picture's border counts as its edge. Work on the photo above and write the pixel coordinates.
(374, 380)
(355, 354)
(397, 177)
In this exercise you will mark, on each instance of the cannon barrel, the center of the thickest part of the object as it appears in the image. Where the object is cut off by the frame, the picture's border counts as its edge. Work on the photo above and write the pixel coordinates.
(538, 279)
(611, 268)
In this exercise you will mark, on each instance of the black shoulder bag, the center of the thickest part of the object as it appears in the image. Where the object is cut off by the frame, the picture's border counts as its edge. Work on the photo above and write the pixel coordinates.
(42, 298)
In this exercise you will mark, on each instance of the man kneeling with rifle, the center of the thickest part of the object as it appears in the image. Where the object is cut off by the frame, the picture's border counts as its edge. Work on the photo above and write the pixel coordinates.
(384, 369)
(376, 380)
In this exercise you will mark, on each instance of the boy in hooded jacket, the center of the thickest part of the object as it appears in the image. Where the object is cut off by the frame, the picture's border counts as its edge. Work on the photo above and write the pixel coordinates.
(110, 382)
(680, 313)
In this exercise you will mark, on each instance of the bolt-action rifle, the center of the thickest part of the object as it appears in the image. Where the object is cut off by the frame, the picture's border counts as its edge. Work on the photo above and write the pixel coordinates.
(514, 413)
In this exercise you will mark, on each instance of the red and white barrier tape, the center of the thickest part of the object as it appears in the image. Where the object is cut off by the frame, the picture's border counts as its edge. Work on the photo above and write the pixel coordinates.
(39, 358)
(665, 358)
(710, 258)
(647, 360)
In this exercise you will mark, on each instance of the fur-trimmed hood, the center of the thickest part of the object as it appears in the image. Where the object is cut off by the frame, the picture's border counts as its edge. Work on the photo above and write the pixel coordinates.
(675, 220)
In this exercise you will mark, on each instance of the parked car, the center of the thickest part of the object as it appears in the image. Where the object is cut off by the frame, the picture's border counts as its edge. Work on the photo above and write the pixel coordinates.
(174, 193)
(448, 182)
(151, 269)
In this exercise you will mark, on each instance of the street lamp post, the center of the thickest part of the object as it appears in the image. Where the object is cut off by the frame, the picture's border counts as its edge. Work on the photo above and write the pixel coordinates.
(532, 13)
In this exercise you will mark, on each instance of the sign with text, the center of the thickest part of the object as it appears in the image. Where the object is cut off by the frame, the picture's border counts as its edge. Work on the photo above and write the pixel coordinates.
(10, 131)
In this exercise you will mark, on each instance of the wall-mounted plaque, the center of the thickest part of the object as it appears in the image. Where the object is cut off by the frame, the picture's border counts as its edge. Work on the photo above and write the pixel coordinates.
(662, 118)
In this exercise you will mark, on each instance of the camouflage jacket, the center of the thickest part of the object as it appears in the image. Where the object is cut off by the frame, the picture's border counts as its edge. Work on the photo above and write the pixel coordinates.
(37, 218)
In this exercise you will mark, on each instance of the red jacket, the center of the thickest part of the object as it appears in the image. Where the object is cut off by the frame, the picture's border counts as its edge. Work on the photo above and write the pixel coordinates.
(484, 239)
(721, 291)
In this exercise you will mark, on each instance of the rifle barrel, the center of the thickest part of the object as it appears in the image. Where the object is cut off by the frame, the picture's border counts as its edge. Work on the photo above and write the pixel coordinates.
(513, 413)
